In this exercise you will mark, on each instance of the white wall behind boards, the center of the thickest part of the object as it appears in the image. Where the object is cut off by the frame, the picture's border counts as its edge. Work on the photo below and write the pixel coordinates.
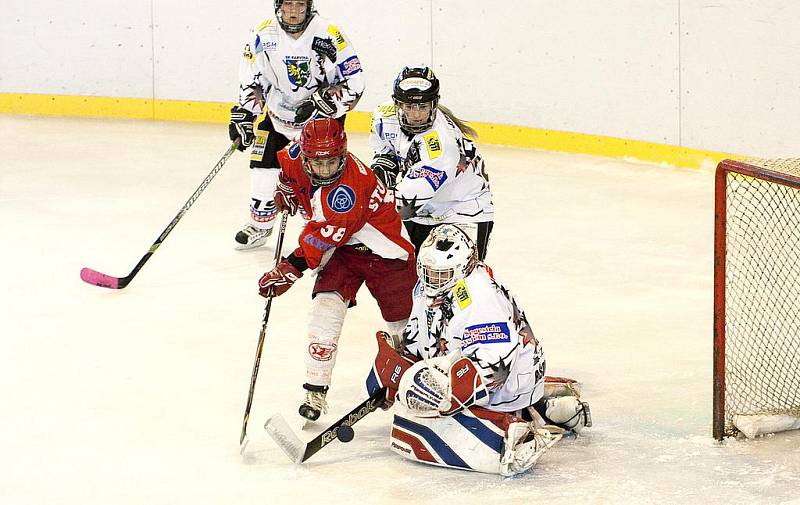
(721, 76)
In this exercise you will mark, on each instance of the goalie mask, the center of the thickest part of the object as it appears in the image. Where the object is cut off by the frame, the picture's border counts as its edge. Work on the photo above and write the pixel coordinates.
(298, 25)
(323, 149)
(416, 95)
(447, 256)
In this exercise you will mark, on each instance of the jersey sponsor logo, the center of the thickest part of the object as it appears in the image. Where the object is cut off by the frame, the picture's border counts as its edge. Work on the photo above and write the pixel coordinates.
(322, 352)
(338, 38)
(462, 294)
(434, 144)
(297, 70)
(293, 150)
(325, 48)
(434, 177)
(317, 243)
(350, 66)
(490, 333)
(341, 199)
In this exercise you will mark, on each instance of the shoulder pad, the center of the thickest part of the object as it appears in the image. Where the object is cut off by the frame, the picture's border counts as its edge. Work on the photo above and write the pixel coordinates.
(338, 38)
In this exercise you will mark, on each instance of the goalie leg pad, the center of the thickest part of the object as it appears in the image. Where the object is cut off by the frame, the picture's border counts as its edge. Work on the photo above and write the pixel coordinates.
(263, 182)
(324, 327)
(463, 441)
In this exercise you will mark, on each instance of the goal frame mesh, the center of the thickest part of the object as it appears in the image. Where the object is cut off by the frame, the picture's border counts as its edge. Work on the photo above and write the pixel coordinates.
(784, 172)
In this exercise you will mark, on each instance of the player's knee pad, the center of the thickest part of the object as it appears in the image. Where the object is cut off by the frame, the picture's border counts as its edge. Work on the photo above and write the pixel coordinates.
(263, 182)
(324, 327)
(568, 412)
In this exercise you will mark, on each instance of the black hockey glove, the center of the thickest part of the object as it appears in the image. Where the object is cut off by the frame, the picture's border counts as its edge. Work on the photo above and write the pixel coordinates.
(386, 169)
(318, 102)
(241, 127)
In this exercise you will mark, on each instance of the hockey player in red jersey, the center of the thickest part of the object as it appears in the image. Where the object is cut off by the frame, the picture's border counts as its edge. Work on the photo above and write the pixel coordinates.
(353, 236)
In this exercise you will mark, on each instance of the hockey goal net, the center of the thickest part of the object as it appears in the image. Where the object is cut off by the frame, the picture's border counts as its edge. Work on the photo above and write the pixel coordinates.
(757, 297)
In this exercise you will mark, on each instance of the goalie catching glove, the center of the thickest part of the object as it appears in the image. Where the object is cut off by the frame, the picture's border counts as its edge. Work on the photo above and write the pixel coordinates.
(319, 103)
(442, 386)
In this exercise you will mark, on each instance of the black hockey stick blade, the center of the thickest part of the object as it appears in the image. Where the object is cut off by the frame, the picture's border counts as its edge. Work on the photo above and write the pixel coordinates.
(298, 452)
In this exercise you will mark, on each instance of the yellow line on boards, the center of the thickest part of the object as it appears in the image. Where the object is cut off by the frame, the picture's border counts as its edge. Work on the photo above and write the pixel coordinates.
(489, 133)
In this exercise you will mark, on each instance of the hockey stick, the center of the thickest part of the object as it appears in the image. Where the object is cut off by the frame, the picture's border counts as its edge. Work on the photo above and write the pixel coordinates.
(282, 434)
(243, 440)
(107, 281)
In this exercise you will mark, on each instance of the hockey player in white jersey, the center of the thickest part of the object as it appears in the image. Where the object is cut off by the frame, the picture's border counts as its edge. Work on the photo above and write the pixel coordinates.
(469, 377)
(295, 66)
(427, 155)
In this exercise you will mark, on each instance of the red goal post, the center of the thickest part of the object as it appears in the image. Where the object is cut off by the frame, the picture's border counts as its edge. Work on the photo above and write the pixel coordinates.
(756, 297)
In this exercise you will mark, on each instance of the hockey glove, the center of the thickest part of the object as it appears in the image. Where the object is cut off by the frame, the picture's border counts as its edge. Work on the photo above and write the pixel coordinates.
(285, 199)
(319, 102)
(386, 169)
(389, 367)
(241, 127)
(278, 280)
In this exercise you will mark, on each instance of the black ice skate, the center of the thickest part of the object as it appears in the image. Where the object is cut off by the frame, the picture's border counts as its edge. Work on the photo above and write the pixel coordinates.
(314, 404)
(251, 237)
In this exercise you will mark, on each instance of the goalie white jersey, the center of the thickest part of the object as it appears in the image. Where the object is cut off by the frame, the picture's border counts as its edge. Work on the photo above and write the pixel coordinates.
(443, 177)
(277, 72)
(480, 318)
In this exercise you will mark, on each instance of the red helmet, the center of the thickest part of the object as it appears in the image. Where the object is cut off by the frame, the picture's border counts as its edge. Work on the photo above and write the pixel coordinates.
(323, 138)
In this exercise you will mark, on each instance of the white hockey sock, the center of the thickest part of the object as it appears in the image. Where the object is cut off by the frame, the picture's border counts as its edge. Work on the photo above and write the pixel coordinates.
(324, 327)
(263, 182)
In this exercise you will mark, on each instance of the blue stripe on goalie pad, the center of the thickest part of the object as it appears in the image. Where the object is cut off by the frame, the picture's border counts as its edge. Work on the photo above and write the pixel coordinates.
(437, 444)
(482, 432)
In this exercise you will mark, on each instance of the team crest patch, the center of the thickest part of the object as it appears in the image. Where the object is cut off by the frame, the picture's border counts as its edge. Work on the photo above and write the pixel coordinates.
(297, 70)
(341, 199)
(490, 333)
(350, 66)
(434, 177)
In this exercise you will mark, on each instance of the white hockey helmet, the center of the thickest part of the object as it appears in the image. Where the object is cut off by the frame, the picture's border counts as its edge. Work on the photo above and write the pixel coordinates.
(447, 256)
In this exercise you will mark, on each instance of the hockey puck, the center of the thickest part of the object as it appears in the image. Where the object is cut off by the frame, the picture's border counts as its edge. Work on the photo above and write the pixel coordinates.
(345, 433)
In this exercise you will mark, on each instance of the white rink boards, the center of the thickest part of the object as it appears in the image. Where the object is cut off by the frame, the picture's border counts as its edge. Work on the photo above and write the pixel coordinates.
(136, 396)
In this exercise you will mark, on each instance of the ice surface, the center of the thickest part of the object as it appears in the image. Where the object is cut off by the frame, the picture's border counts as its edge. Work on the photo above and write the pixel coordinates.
(136, 396)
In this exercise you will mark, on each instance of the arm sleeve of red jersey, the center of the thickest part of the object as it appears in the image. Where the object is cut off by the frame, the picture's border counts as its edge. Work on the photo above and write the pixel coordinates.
(317, 238)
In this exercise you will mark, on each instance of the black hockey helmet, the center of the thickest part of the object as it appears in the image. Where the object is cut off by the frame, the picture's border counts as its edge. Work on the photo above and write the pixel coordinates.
(416, 85)
(294, 28)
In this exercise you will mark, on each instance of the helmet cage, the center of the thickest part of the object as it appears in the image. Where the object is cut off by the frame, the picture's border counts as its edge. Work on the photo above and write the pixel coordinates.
(447, 256)
(416, 85)
(294, 28)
